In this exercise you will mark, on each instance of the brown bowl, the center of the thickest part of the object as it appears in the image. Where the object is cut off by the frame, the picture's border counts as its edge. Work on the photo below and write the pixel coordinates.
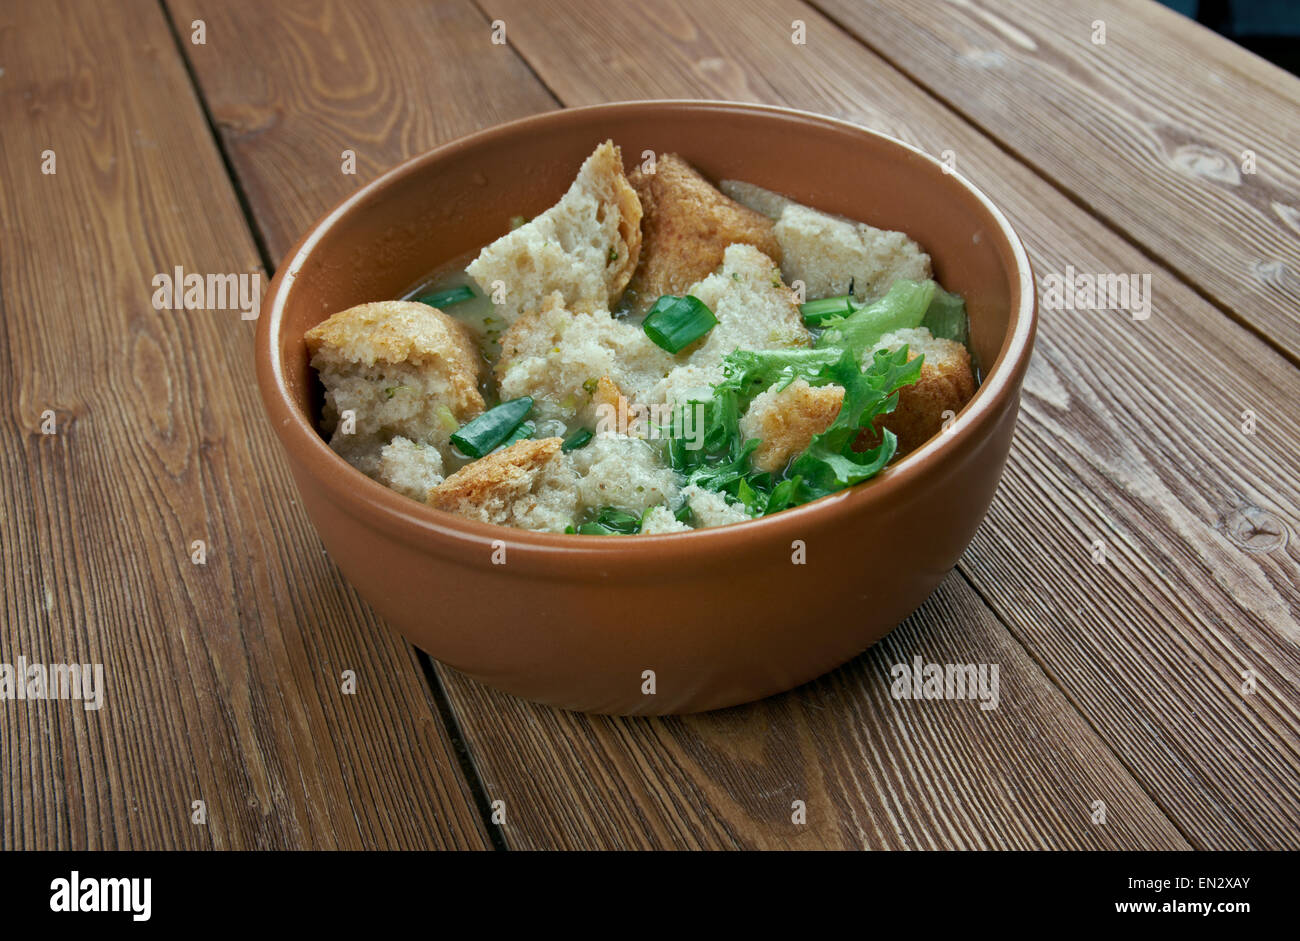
(721, 616)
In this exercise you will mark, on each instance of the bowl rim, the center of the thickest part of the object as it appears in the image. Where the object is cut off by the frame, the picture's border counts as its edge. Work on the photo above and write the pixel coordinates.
(367, 499)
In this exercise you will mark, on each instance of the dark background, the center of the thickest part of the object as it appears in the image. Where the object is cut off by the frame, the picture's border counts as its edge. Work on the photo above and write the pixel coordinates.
(1270, 28)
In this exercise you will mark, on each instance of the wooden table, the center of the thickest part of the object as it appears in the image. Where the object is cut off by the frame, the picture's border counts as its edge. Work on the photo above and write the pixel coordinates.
(1159, 681)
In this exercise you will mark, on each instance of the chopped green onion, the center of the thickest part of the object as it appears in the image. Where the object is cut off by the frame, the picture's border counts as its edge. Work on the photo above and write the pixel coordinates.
(525, 430)
(478, 437)
(818, 311)
(577, 440)
(441, 299)
(674, 323)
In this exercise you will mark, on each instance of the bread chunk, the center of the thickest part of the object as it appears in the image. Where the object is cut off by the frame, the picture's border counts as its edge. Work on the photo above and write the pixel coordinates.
(660, 520)
(585, 247)
(529, 485)
(624, 472)
(755, 311)
(787, 420)
(559, 357)
(709, 508)
(947, 383)
(412, 468)
(402, 368)
(829, 253)
(687, 227)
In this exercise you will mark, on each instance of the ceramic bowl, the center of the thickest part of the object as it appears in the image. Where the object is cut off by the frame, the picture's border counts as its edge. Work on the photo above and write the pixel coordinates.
(652, 624)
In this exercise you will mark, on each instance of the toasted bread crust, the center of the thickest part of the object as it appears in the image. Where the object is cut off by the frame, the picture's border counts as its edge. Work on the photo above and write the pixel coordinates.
(787, 421)
(509, 472)
(946, 384)
(687, 227)
(624, 198)
(609, 404)
(608, 393)
(368, 353)
(396, 332)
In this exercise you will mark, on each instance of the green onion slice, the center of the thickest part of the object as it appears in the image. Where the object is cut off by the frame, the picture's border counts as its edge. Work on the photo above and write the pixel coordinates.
(524, 430)
(441, 299)
(496, 425)
(817, 312)
(674, 323)
(577, 440)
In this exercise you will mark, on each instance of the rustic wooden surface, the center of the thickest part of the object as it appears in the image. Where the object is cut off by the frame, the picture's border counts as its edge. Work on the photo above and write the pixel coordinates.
(1122, 681)
(1168, 132)
(224, 679)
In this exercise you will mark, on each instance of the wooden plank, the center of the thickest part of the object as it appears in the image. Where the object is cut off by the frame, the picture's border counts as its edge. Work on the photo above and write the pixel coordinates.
(569, 780)
(223, 679)
(1149, 128)
(873, 771)
(1130, 432)
(293, 85)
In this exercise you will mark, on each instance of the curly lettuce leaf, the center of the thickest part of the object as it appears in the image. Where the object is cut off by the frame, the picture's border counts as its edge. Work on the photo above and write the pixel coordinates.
(829, 463)
(902, 308)
(946, 317)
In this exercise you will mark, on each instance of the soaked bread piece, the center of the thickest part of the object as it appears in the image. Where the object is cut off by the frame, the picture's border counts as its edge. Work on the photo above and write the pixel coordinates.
(621, 471)
(559, 356)
(830, 253)
(755, 311)
(585, 247)
(787, 420)
(401, 368)
(946, 384)
(529, 485)
(411, 468)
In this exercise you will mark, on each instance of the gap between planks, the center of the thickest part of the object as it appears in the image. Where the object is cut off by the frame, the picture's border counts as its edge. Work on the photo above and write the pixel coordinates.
(444, 711)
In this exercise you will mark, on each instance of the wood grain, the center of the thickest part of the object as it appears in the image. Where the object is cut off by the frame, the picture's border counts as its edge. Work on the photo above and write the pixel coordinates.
(1148, 129)
(1023, 776)
(873, 771)
(223, 679)
(1130, 432)
(292, 85)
